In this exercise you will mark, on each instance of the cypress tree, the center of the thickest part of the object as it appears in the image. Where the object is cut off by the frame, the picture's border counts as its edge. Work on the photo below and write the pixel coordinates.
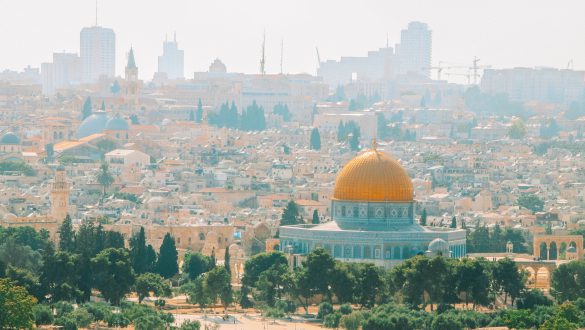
(168, 265)
(423, 218)
(453, 222)
(316, 217)
(226, 260)
(212, 260)
(138, 252)
(66, 235)
(315, 139)
(199, 113)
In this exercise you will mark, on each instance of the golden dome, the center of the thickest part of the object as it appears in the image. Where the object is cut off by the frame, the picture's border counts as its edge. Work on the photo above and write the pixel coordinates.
(373, 176)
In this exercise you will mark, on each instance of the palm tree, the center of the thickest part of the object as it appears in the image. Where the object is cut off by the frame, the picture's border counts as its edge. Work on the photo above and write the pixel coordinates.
(104, 177)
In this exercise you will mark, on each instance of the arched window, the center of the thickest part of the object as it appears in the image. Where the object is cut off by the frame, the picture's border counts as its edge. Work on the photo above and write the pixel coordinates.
(201, 236)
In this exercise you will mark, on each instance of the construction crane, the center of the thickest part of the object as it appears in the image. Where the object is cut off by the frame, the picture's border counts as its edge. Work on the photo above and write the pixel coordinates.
(476, 67)
(467, 75)
(440, 68)
(263, 56)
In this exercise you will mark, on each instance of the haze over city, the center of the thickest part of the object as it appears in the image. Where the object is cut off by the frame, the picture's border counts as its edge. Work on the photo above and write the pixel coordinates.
(525, 33)
(280, 165)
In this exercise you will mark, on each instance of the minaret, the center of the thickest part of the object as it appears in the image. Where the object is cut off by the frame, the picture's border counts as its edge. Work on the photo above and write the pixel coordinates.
(131, 75)
(59, 195)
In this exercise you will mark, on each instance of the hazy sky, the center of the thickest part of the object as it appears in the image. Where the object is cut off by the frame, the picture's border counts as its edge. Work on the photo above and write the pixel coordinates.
(502, 33)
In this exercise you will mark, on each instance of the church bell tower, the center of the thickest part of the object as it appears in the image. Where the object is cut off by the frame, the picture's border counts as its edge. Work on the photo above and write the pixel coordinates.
(59, 196)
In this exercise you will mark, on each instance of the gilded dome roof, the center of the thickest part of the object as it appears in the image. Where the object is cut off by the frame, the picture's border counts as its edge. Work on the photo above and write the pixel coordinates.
(373, 176)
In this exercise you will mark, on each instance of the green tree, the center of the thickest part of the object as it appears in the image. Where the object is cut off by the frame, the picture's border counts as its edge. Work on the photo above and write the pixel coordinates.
(60, 277)
(197, 292)
(104, 177)
(320, 266)
(453, 222)
(508, 279)
(316, 220)
(270, 285)
(140, 253)
(167, 265)
(218, 282)
(226, 261)
(190, 325)
(369, 285)
(517, 130)
(199, 113)
(473, 281)
(344, 282)
(290, 215)
(87, 108)
(315, 139)
(149, 282)
(16, 306)
(134, 119)
(423, 218)
(113, 274)
(115, 88)
(567, 284)
(66, 235)
(341, 133)
(195, 264)
(531, 202)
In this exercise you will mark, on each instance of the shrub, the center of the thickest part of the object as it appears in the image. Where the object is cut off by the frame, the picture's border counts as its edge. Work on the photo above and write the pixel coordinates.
(63, 307)
(66, 322)
(325, 309)
(345, 309)
(332, 320)
(117, 320)
(99, 310)
(82, 317)
(149, 322)
(190, 325)
(446, 322)
(351, 321)
(533, 298)
(43, 314)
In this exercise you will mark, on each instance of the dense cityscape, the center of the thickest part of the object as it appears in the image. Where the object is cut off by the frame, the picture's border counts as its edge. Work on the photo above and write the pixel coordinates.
(384, 191)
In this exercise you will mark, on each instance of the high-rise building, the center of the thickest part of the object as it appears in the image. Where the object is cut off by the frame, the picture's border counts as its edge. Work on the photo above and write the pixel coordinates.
(63, 72)
(415, 50)
(377, 65)
(546, 85)
(172, 60)
(98, 53)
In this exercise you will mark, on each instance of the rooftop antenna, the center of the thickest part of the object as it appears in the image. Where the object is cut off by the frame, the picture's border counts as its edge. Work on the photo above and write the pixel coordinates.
(263, 58)
(281, 53)
(387, 41)
(96, 12)
(175, 36)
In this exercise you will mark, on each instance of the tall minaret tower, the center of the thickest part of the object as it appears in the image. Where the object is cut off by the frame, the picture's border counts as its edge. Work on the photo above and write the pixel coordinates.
(131, 75)
(59, 195)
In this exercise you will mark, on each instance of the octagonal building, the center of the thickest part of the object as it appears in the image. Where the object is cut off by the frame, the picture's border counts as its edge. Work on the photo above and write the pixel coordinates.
(373, 218)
